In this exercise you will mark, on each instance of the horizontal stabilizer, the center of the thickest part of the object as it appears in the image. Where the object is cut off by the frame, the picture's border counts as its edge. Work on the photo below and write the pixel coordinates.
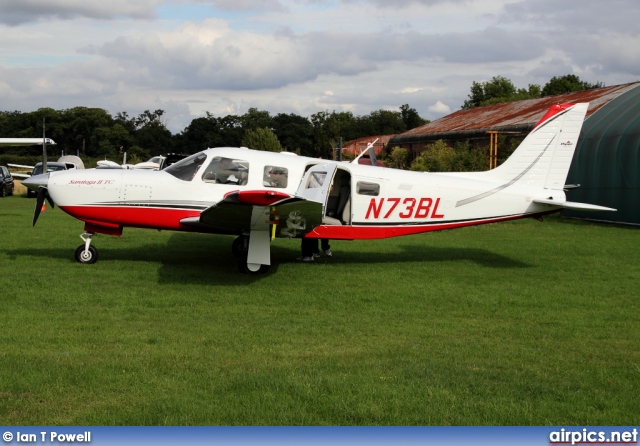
(575, 206)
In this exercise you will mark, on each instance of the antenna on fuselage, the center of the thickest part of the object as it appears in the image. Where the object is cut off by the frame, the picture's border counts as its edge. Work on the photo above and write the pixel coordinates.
(370, 151)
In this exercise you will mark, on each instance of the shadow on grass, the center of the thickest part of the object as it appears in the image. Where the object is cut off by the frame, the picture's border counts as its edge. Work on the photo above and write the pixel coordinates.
(197, 258)
(409, 253)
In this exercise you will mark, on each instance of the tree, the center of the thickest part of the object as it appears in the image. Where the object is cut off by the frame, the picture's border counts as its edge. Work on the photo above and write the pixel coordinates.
(79, 125)
(201, 133)
(155, 138)
(437, 157)
(255, 119)
(567, 84)
(327, 128)
(384, 122)
(499, 89)
(410, 117)
(148, 117)
(261, 139)
(399, 158)
(295, 133)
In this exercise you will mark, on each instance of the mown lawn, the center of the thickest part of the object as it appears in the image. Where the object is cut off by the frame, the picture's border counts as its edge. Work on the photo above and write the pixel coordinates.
(516, 323)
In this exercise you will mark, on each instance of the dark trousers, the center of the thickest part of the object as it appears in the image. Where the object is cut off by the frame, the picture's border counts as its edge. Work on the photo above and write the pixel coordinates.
(310, 246)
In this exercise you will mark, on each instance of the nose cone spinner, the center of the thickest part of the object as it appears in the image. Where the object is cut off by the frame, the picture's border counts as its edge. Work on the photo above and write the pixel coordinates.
(37, 181)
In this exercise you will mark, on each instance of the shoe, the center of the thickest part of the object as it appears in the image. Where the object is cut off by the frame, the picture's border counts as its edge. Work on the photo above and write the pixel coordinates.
(328, 253)
(316, 255)
(305, 259)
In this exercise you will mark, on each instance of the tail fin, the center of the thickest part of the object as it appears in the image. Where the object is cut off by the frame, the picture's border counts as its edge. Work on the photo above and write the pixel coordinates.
(544, 157)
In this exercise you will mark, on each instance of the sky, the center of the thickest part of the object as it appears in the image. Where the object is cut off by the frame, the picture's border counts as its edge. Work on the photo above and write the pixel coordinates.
(190, 57)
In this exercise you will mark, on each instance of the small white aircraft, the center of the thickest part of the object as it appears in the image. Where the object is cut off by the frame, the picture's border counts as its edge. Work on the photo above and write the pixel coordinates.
(26, 141)
(262, 195)
(153, 164)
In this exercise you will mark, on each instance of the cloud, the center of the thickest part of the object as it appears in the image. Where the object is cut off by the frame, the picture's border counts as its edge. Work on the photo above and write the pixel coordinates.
(440, 108)
(210, 55)
(244, 5)
(401, 4)
(15, 12)
(583, 16)
(300, 56)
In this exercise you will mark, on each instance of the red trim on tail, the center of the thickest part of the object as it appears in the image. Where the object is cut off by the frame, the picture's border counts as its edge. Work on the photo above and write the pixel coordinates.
(553, 110)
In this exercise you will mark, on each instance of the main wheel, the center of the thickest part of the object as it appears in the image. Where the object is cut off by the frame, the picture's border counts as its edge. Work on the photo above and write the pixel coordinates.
(240, 247)
(89, 257)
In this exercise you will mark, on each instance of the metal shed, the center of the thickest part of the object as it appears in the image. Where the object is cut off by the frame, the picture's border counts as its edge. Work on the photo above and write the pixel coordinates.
(518, 117)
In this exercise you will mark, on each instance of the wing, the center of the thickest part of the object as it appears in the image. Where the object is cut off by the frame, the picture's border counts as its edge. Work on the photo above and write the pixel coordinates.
(259, 210)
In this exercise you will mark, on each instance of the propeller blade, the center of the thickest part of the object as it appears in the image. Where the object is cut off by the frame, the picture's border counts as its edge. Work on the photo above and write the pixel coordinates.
(42, 193)
(53, 205)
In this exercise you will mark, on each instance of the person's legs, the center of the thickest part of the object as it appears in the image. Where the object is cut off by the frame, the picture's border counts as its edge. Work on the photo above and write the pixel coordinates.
(326, 248)
(308, 245)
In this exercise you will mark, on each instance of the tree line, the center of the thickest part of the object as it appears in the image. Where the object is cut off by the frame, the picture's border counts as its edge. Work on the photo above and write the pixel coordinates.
(500, 89)
(95, 133)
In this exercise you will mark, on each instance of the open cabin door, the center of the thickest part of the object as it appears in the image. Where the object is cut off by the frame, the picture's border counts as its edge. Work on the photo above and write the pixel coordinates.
(316, 184)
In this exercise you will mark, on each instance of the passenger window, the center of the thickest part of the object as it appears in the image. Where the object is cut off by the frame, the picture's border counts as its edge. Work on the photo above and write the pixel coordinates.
(364, 188)
(226, 171)
(275, 176)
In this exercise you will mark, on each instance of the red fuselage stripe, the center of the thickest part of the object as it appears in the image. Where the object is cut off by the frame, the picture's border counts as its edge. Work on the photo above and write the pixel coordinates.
(134, 216)
(356, 232)
(169, 219)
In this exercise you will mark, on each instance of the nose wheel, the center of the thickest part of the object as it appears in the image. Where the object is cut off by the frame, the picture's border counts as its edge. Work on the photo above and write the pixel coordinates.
(86, 253)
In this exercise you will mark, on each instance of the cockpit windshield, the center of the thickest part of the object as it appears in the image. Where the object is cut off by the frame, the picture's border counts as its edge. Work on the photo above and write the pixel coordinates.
(186, 169)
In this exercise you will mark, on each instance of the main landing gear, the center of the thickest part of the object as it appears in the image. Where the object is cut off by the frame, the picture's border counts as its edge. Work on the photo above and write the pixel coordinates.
(240, 250)
(86, 253)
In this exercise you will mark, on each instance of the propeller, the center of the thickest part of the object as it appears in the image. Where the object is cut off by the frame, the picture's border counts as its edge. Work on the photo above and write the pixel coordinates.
(40, 181)
(43, 193)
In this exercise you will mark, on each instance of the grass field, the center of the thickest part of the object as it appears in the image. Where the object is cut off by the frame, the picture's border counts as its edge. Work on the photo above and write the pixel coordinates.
(516, 323)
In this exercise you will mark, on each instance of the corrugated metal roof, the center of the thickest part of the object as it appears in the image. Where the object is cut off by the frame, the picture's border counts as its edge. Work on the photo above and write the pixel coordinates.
(357, 146)
(510, 116)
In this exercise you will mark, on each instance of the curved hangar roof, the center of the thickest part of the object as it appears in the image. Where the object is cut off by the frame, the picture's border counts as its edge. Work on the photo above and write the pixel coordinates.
(518, 116)
(607, 161)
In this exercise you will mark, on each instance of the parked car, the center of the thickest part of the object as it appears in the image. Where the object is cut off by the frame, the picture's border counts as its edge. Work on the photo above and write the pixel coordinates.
(7, 182)
(51, 167)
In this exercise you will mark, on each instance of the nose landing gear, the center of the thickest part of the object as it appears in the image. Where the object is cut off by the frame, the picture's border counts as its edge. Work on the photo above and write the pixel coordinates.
(86, 253)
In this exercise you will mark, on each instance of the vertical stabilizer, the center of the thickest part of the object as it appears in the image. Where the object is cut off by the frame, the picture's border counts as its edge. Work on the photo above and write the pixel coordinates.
(544, 157)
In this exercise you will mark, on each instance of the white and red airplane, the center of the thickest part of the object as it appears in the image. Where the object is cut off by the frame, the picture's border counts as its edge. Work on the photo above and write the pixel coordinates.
(262, 195)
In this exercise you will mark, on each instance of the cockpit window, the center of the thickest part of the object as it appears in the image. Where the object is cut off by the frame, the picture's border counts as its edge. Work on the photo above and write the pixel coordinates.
(226, 171)
(186, 169)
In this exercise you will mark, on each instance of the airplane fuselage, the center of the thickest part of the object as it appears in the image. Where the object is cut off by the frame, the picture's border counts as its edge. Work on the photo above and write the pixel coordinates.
(262, 195)
(384, 202)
